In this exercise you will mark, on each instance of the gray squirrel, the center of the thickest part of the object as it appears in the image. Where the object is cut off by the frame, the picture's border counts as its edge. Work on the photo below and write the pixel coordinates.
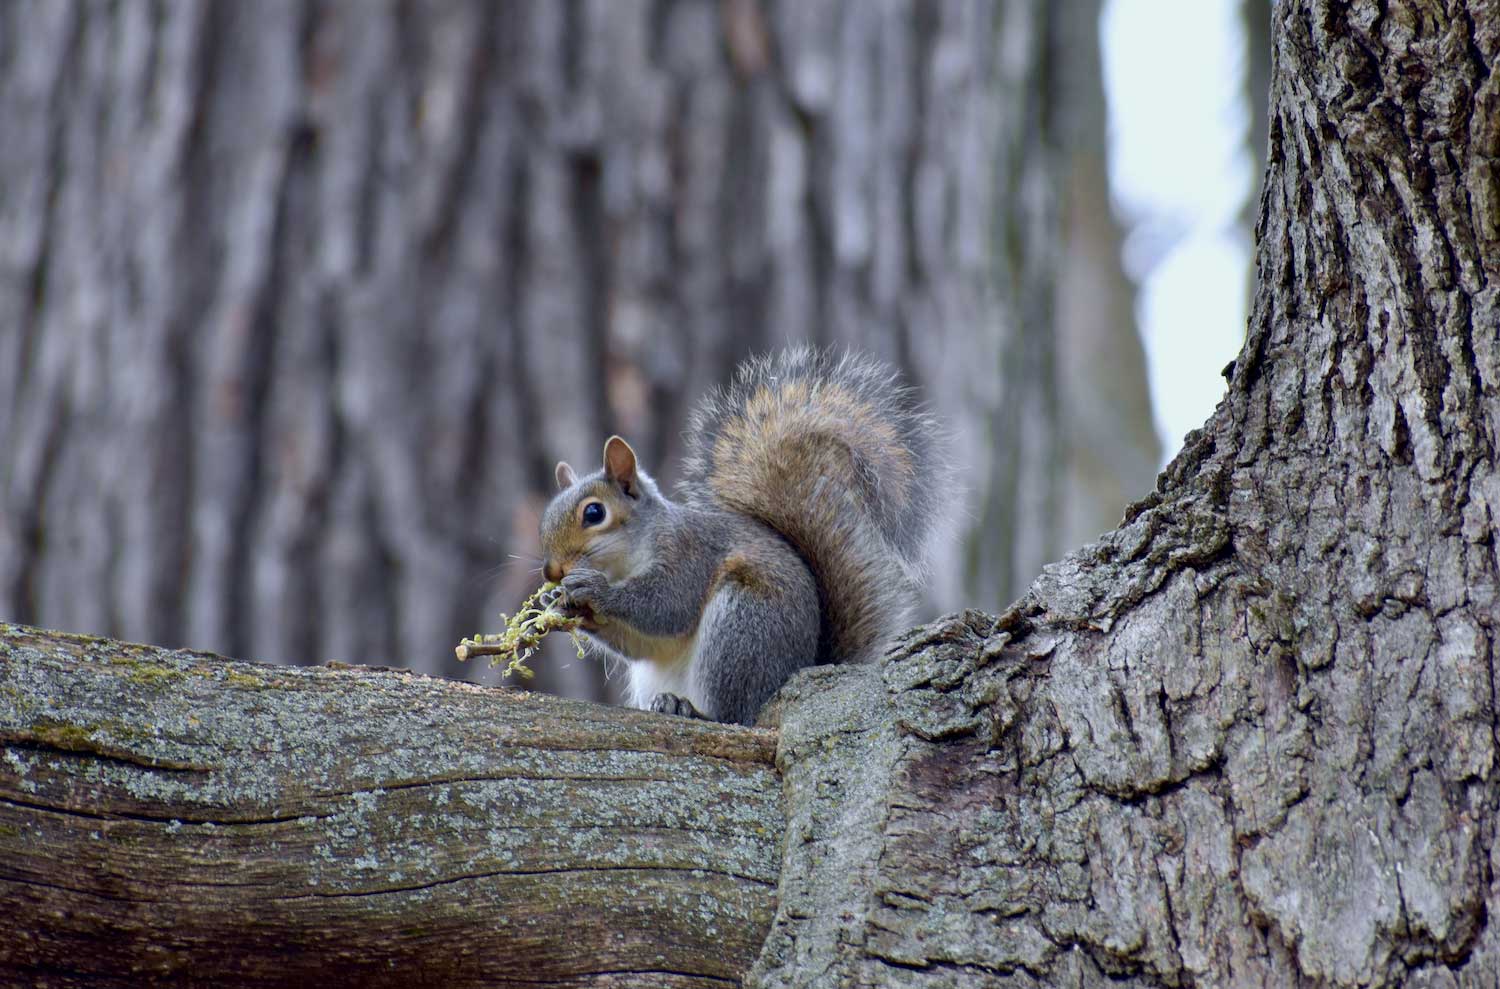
(810, 488)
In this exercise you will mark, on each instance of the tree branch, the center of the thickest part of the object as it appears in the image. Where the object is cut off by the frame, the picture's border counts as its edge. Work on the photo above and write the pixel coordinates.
(188, 819)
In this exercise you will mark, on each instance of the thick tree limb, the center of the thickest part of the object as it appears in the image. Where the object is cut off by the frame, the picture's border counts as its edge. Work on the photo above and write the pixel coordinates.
(187, 819)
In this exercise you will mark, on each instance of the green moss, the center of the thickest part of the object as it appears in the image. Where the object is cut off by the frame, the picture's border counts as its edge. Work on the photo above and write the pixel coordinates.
(234, 677)
(147, 672)
(74, 738)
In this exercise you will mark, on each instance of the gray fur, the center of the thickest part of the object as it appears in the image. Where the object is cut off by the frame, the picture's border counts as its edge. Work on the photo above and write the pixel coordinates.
(753, 640)
(832, 489)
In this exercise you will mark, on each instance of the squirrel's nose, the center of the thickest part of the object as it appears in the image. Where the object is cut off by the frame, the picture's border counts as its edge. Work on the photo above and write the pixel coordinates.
(552, 571)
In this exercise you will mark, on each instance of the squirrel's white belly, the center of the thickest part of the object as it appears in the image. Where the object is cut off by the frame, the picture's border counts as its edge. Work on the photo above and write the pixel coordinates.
(666, 664)
(647, 679)
(659, 665)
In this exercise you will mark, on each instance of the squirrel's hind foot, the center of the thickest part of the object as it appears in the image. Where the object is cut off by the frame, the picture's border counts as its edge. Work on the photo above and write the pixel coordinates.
(673, 704)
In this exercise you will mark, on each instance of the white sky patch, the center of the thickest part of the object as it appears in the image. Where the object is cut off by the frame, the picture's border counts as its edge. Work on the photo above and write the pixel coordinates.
(1179, 174)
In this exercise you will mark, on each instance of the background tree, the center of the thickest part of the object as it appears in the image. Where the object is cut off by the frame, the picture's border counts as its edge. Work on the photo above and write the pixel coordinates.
(1111, 451)
(299, 301)
(1255, 18)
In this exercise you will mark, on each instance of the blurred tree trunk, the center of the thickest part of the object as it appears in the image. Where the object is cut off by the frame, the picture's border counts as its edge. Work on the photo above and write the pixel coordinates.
(1070, 438)
(1255, 20)
(299, 301)
(1111, 450)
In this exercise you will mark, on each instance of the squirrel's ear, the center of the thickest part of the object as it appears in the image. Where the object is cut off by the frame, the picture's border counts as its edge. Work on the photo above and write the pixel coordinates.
(619, 465)
(565, 476)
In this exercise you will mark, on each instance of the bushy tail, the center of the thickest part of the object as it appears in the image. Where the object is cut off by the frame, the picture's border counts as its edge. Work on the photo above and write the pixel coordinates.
(833, 453)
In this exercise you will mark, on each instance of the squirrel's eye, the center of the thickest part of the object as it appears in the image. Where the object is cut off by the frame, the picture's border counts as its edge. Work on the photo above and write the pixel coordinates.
(593, 513)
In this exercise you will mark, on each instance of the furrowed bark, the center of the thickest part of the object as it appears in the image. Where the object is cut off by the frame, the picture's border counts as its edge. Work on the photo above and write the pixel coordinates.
(182, 819)
(1248, 738)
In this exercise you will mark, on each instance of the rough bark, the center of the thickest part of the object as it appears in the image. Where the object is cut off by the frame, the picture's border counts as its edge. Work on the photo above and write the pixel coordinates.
(300, 301)
(180, 819)
(1249, 738)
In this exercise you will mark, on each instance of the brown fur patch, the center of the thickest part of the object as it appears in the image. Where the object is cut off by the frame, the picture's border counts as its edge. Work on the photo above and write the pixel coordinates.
(747, 573)
(792, 424)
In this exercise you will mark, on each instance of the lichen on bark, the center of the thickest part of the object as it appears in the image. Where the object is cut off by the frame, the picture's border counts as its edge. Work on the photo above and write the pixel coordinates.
(186, 820)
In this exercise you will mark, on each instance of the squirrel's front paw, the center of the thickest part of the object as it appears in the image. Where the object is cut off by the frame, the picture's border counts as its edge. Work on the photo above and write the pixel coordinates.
(673, 704)
(583, 586)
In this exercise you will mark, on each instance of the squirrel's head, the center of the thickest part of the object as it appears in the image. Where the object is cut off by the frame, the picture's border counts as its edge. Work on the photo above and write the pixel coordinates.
(589, 520)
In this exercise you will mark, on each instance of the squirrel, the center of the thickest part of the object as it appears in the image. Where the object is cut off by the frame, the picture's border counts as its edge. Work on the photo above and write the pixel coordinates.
(810, 488)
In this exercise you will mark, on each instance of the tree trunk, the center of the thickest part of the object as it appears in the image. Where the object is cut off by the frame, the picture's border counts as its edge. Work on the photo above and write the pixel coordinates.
(300, 301)
(1255, 21)
(1249, 738)
(182, 820)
